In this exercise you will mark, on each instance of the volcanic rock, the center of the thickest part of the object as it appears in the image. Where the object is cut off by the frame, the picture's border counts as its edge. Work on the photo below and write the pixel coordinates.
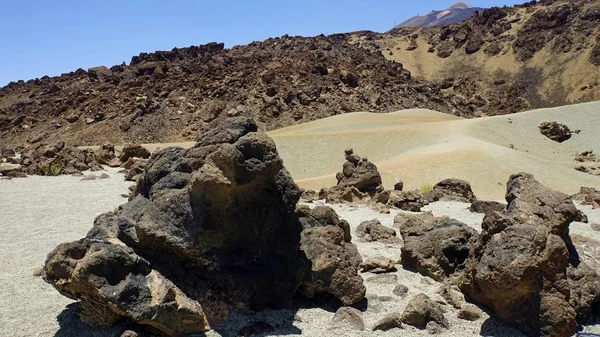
(373, 230)
(451, 190)
(422, 310)
(436, 248)
(211, 229)
(411, 201)
(485, 207)
(134, 150)
(524, 265)
(348, 318)
(556, 131)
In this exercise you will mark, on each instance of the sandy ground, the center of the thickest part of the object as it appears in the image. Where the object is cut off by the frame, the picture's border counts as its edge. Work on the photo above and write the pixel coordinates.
(424, 147)
(421, 146)
(38, 213)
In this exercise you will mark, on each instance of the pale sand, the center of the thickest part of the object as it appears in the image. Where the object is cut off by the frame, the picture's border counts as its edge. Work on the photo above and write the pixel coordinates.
(38, 213)
(424, 147)
(409, 146)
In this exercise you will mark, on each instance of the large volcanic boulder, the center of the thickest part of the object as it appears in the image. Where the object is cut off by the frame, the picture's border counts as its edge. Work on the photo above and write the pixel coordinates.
(451, 190)
(525, 268)
(435, 247)
(334, 260)
(210, 229)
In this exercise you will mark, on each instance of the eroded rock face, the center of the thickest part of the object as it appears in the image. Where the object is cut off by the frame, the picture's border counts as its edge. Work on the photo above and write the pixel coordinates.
(334, 261)
(525, 267)
(451, 190)
(210, 229)
(434, 247)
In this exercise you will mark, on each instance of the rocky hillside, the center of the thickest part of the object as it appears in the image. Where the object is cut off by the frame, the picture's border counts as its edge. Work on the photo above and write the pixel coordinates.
(509, 59)
(456, 13)
(170, 96)
(501, 61)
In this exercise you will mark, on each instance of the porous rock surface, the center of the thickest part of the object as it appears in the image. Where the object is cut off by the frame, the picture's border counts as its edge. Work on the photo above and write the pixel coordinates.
(435, 247)
(210, 229)
(524, 265)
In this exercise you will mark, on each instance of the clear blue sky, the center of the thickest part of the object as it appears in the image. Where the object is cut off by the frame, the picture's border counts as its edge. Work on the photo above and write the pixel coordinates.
(42, 37)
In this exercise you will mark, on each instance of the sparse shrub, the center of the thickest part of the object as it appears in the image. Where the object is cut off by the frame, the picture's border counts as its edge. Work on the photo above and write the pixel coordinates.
(55, 169)
(96, 314)
(426, 189)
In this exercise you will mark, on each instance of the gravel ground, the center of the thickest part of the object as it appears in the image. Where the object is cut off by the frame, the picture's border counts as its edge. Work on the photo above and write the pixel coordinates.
(38, 213)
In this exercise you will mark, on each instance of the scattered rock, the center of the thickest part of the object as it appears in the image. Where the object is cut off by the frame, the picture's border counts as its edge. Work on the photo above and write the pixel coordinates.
(469, 312)
(451, 190)
(525, 256)
(411, 201)
(359, 181)
(400, 290)
(422, 310)
(485, 207)
(556, 131)
(452, 295)
(373, 230)
(383, 279)
(389, 322)
(134, 150)
(348, 318)
(378, 265)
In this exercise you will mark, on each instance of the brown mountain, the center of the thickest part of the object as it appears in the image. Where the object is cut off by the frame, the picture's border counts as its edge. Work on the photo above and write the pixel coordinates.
(171, 96)
(535, 55)
(502, 61)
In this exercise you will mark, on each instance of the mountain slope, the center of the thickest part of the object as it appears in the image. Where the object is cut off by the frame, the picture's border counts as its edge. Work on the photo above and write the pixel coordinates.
(451, 15)
(507, 59)
(171, 96)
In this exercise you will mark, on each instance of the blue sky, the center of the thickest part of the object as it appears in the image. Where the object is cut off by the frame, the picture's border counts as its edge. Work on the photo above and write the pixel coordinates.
(41, 37)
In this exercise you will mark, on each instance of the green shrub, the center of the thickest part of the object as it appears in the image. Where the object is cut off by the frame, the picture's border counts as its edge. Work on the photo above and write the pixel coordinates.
(426, 189)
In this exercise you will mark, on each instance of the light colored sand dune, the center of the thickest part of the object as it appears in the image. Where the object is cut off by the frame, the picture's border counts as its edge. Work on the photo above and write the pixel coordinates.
(435, 146)
(422, 146)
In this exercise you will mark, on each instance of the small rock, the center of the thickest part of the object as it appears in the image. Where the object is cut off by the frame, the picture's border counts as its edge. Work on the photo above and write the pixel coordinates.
(595, 227)
(104, 176)
(383, 279)
(434, 328)
(452, 295)
(373, 230)
(389, 322)
(88, 177)
(421, 310)
(399, 186)
(469, 312)
(348, 317)
(378, 265)
(89, 120)
(400, 290)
